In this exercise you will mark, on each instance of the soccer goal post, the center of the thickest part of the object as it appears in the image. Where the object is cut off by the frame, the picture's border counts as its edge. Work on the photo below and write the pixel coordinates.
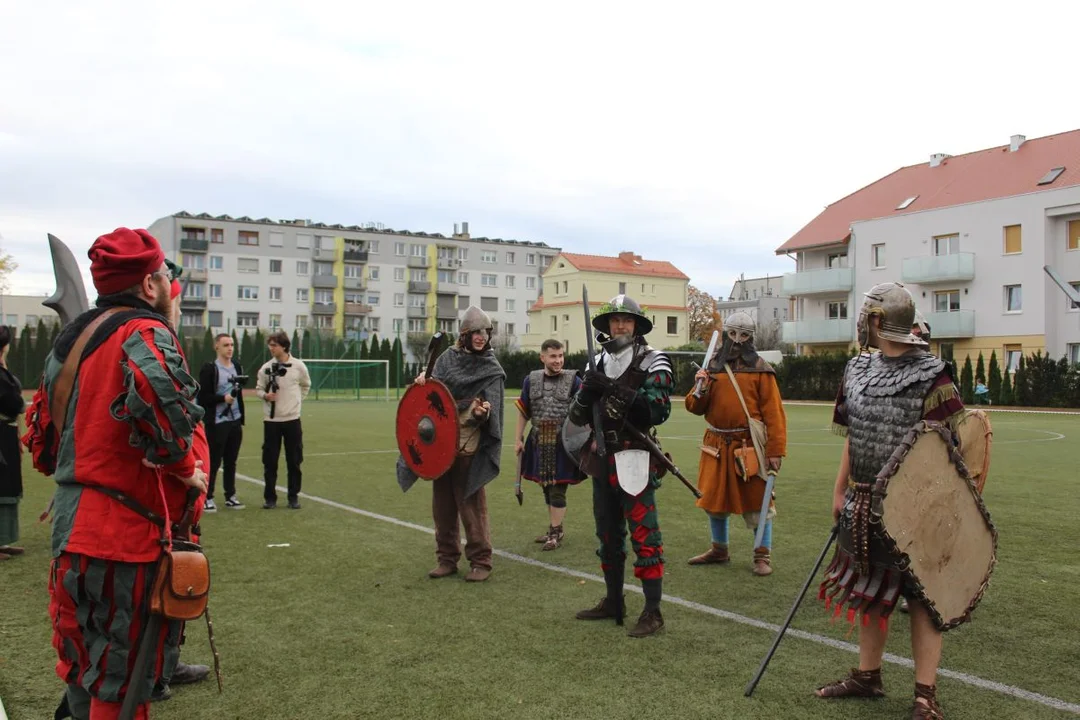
(349, 379)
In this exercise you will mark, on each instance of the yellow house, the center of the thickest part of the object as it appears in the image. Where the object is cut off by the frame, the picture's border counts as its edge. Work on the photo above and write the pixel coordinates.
(657, 285)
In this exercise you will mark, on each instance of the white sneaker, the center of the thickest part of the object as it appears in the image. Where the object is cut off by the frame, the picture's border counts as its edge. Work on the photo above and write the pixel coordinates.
(210, 506)
(233, 503)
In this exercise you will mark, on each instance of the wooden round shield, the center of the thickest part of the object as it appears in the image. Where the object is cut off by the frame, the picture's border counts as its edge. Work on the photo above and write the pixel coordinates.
(976, 436)
(427, 429)
(934, 520)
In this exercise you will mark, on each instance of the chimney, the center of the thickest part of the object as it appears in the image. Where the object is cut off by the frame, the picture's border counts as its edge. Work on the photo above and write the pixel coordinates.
(629, 257)
(463, 233)
(1015, 142)
(465, 229)
(937, 158)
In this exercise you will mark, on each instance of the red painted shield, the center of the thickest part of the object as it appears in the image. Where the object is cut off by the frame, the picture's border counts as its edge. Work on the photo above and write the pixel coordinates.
(427, 429)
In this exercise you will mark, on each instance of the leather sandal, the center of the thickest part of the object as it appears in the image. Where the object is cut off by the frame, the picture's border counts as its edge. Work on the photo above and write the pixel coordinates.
(929, 710)
(860, 683)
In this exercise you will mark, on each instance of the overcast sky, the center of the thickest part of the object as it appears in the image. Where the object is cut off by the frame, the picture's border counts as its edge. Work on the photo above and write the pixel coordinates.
(698, 133)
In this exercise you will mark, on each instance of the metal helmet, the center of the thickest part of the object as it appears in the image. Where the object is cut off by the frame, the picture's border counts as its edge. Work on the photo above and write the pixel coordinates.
(475, 319)
(740, 321)
(920, 327)
(893, 303)
(622, 305)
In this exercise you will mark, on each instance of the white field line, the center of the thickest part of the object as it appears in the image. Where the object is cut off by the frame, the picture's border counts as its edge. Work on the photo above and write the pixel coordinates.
(965, 678)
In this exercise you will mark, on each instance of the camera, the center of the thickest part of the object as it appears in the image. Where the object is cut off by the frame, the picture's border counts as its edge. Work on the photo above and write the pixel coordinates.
(238, 382)
(273, 372)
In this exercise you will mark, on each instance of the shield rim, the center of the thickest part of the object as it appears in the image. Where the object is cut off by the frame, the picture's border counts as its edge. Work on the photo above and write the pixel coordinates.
(457, 428)
(877, 511)
(648, 468)
(981, 415)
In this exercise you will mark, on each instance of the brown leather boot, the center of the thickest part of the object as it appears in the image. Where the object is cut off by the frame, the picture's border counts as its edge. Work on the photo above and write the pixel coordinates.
(478, 574)
(649, 622)
(554, 539)
(443, 570)
(716, 555)
(859, 683)
(604, 610)
(928, 708)
(762, 562)
(544, 538)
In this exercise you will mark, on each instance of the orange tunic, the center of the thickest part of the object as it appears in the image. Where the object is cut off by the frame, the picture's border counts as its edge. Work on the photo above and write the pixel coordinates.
(722, 490)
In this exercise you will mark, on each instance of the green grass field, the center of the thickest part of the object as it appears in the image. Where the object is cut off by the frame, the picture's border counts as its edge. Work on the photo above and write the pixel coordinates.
(343, 623)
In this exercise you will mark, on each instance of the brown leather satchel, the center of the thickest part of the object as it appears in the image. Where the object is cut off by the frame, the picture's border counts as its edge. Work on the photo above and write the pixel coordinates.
(182, 586)
(746, 460)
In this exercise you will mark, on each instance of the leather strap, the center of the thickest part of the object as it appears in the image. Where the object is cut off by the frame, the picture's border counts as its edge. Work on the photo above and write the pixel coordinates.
(65, 379)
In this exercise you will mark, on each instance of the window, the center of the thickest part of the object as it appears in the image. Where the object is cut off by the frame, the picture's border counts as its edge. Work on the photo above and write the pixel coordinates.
(1073, 241)
(215, 291)
(1070, 305)
(837, 260)
(217, 318)
(1013, 299)
(447, 326)
(301, 322)
(277, 238)
(418, 275)
(302, 295)
(217, 235)
(489, 256)
(399, 325)
(554, 323)
(193, 261)
(877, 255)
(247, 292)
(838, 310)
(1013, 240)
(216, 262)
(907, 203)
(1072, 351)
(399, 249)
(462, 254)
(510, 281)
(303, 242)
(462, 302)
(529, 305)
(417, 325)
(416, 250)
(249, 237)
(489, 280)
(489, 304)
(511, 258)
(417, 301)
(373, 272)
(301, 267)
(275, 322)
(672, 325)
(354, 298)
(373, 324)
(399, 274)
(195, 290)
(946, 244)
(447, 277)
(509, 329)
(275, 294)
(247, 265)
(1051, 176)
(373, 247)
(622, 288)
(399, 299)
(510, 305)
(373, 298)
(530, 258)
(275, 267)
(193, 233)
(945, 351)
(247, 320)
(463, 278)
(1012, 357)
(324, 297)
(324, 268)
(324, 322)
(947, 301)
(356, 272)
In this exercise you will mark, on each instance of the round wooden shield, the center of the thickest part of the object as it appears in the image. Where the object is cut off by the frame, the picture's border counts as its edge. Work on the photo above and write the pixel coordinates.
(976, 436)
(934, 520)
(427, 429)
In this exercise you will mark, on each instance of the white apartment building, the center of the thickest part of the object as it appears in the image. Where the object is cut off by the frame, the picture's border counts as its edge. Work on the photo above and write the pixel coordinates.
(969, 236)
(350, 281)
(761, 298)
(18, 311)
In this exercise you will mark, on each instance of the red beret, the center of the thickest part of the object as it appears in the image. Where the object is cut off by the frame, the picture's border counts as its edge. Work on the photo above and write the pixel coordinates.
(175, 290)
(123, 258)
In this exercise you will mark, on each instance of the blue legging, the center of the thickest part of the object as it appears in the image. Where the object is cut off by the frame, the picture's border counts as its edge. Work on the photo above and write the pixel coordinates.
(718, 524)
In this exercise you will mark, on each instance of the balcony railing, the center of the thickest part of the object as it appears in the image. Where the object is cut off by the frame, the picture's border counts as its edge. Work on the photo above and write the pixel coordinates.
(192, 331)
(327, 254)
(416, 312)
(950, 325)
(192, 302)
(195, 274)
(357, 308)
(817, 282)
(419, 286)
(356, 256)
(446, 263)
(928, 269)
(324, 308)
(324, 281)
(353, 283)
(194, 244)
(418, 261)
(820, 331)
(446, 314)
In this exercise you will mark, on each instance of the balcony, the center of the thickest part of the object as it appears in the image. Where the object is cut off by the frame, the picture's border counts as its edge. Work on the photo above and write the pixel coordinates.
(418, 262)
(192, 331)
(447, 288)
(356, 256)
(326, 254)
(951, 325)
(446, 314)
(419, 286)
(324, 281)
(929, 269)
(357, 308)
(195, 274)
(819, 282)
(416, 312)
(194, 244)
(354, 284)
(192, 303)
(324, 308)
(820, 331)
(445, 263)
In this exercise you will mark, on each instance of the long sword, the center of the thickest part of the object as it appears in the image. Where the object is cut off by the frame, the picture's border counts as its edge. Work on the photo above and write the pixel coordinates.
(760, 534)
(597, 411)
(708, 359)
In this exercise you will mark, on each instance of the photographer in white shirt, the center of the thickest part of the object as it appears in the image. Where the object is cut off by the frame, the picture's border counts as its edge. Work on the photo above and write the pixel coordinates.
(282, 384)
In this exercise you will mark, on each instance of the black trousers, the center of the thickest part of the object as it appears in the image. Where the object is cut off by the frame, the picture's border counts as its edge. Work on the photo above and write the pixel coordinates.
(274, 433)
(224, 448)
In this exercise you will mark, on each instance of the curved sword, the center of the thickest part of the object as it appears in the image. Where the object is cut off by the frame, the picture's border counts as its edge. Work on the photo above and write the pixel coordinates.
(69, 301)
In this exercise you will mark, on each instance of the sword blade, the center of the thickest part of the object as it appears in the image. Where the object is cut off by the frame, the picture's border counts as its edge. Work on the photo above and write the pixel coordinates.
(708, 359)
(517, 484)
(598, 430)
(760, 533)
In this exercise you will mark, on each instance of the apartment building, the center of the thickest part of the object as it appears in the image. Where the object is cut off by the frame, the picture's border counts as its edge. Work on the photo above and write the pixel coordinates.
(18, 311)
(762, 298)
(349, 281)
(657, 285)
(969, 235)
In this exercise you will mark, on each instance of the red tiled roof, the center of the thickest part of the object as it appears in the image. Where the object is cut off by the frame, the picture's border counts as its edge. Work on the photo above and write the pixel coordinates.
(624, 264)
(981, 175)
(541, 305)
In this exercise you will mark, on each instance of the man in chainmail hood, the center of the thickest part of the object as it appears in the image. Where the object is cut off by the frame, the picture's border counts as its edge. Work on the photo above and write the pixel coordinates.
(477, 382)
(632, 382)
(882, 396)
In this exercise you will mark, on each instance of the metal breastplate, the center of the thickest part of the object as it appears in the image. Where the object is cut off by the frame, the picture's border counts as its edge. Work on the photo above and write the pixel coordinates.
(884, 399)
(549, 399)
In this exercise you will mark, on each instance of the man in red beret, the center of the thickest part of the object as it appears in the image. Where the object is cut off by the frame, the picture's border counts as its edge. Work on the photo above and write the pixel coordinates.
(123, 455)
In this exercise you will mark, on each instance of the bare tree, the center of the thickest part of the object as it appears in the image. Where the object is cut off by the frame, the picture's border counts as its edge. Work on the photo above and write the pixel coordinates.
(769, 337)
(7, 266)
